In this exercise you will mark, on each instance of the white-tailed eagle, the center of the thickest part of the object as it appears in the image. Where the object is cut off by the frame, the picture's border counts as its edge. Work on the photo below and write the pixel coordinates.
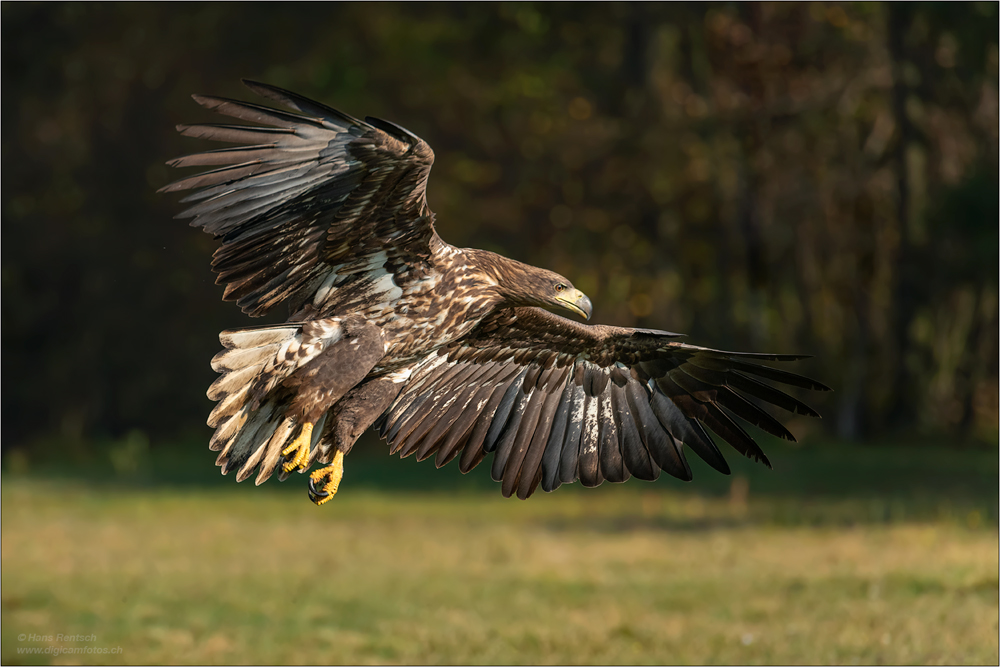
(448, 350)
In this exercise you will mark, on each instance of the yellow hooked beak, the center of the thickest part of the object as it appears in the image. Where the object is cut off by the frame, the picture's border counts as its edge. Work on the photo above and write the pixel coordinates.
(576, 301)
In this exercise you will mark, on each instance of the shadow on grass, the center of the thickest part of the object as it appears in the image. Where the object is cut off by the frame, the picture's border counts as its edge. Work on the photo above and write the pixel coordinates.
(821, 483)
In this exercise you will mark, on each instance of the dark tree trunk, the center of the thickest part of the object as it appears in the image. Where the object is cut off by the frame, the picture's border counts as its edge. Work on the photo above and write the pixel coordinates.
(902, 404)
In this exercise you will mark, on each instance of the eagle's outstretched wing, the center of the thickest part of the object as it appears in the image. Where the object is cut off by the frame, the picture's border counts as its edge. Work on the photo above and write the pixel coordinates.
(311, 201)
(557, 401)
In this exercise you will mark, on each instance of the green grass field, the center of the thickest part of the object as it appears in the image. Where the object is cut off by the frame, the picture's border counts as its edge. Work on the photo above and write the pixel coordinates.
(841, 555)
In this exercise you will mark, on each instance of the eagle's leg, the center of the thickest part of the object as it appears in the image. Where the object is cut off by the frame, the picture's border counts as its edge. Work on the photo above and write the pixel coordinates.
(323, 483)
(301, 448)
(351, 417)
(326, 378)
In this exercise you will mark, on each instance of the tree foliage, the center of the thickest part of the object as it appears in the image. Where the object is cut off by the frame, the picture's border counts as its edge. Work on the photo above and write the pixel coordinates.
(815, 178)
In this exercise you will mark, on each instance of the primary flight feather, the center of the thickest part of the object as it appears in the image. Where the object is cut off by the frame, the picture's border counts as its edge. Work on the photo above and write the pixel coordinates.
(447, 350)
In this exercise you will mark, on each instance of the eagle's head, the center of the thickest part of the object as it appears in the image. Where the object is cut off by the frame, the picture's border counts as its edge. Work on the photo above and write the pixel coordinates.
(559, 292)
(548, 289)
(520, 284)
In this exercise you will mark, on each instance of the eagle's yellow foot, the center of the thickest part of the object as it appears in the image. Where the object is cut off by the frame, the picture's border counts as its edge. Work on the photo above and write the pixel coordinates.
(301, 448)
(323, 483)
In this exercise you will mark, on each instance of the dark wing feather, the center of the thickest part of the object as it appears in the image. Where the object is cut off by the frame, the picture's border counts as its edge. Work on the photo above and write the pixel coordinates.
(593, 403)
(554, 444)
(530, 474)
(569, 459)
(314, 208)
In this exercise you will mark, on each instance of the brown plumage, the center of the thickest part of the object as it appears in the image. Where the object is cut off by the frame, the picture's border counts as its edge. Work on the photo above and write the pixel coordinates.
(447, 350)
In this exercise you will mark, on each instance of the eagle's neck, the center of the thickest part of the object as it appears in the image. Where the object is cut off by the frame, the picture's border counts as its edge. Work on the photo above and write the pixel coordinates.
(509, 279)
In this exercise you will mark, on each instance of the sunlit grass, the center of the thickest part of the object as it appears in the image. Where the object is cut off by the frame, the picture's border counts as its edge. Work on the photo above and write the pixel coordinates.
(621, 574)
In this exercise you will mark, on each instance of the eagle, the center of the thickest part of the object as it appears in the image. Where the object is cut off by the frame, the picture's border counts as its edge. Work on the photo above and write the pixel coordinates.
(448, 351)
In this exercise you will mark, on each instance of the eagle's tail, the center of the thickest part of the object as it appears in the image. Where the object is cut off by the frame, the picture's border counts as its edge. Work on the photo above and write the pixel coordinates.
(251, 427)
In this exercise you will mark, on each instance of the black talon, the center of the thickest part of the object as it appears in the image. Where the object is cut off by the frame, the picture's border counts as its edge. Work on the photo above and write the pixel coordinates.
(315, 494)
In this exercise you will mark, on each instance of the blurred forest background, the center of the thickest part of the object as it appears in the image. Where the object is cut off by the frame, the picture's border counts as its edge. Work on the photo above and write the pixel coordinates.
(810, 178)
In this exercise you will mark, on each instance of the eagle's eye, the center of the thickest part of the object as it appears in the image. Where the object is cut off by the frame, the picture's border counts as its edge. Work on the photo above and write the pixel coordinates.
(560, 287)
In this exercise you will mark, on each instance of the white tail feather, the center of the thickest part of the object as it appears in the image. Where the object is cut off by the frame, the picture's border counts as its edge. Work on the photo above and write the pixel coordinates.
(254, 362)
(228, 407)
(249, 338)
(256, 428)
(232, 359)
(276, 442)
(224, 434)
(233, 382)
